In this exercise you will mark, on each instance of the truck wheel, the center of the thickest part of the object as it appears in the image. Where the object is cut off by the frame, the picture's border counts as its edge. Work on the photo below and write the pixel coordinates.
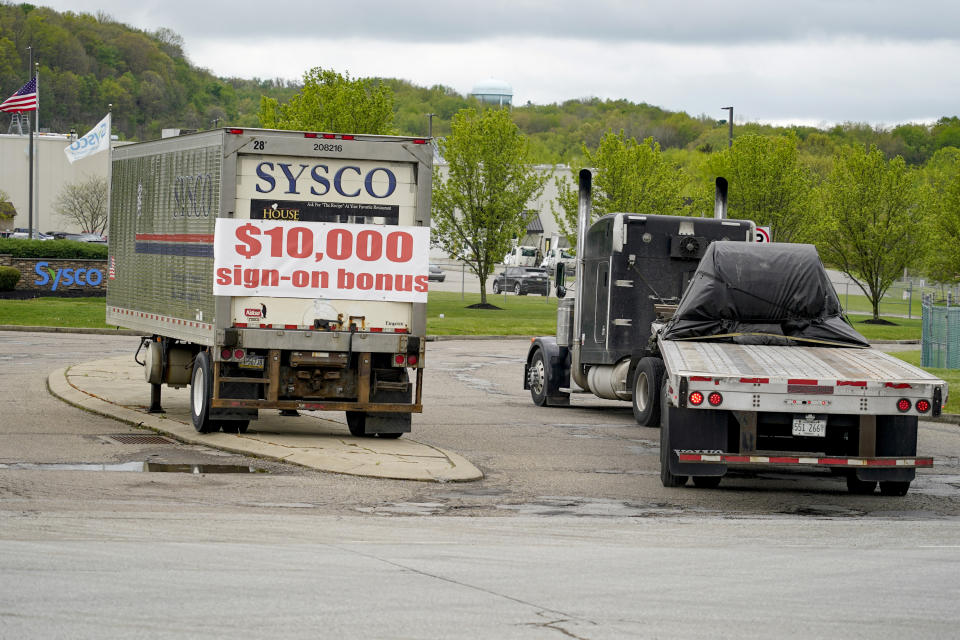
(537, 379)
(894, 488)
(234, 426)
(707, 482)
(496, 287)
(647, 380)
(667, 479)
(201, 391)
(860, 487)
(357, 422)
(516, 289)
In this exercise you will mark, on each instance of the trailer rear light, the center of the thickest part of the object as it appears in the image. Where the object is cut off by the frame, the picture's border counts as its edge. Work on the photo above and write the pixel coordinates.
(903, 405)
(226, 353)
(412, 360)
(923, 406)
(329, 136)
(347, 137)
(235, 132)
(700, 378)
(715, 399)
(399, 358)
(238, 354)
(309, 135)
(696, 398)
(419, 142)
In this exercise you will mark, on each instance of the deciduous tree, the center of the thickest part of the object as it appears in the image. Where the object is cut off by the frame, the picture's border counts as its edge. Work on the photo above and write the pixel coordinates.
(629, 176)
(332, 102)
(84, 203)
(870, 219)
(481, 204)
(768, 184)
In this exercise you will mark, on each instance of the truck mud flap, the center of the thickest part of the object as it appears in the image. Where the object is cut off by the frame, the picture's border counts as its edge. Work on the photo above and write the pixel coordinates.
(388, 423)
(896, 436)
(694, 431)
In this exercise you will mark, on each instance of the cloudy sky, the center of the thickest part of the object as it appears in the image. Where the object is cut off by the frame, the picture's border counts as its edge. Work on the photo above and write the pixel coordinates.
(812, 62)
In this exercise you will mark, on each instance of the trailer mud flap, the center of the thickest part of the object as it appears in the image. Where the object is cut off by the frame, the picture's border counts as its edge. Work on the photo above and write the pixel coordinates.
(388, 423)
(896, 437)
(694, 431)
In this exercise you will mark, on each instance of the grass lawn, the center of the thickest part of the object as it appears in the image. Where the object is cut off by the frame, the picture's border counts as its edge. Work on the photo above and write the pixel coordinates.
(517, 315)
(902, 329)
(55, 312)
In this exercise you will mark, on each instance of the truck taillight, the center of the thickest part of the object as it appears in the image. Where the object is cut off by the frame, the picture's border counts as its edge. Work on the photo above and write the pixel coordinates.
(238, 354)
(923, 406)
(399, 359)
(226, 353)
(715, 399)
(696, 398)
(419, 142)
(412, 360)
(903, 405)
(235, 132)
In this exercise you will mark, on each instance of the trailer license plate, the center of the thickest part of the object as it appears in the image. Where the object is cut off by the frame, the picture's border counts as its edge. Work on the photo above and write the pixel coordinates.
(816, 428)
(251, 362)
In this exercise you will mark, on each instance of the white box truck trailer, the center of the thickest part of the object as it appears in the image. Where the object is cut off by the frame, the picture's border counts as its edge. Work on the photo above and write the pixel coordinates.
(276, 270)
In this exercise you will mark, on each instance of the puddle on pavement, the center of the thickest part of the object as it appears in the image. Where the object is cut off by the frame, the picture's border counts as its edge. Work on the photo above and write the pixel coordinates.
(142, 467)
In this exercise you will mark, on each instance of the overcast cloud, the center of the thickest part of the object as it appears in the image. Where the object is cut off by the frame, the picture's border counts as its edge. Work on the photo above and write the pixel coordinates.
(810, 62)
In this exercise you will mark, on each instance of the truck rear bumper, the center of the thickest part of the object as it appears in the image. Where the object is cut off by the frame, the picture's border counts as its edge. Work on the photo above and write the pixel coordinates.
(808, 461)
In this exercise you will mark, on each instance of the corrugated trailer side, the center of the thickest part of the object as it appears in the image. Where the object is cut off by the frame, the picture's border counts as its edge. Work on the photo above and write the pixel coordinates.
(165, 199)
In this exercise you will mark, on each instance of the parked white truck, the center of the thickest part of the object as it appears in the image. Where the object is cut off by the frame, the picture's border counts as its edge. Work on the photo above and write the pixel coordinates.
(276, 270)
(737, 350)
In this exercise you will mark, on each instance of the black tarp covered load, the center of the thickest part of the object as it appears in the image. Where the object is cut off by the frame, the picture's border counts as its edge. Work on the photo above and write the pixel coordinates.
(764, 290)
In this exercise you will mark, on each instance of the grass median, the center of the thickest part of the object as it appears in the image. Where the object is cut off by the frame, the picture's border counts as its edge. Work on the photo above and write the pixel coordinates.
(447, 314)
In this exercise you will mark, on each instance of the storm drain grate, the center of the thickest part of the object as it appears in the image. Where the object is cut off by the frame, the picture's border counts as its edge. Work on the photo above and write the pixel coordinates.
(140, 438)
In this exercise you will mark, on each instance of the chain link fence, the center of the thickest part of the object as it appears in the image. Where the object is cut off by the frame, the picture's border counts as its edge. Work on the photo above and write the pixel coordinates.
(940, 343)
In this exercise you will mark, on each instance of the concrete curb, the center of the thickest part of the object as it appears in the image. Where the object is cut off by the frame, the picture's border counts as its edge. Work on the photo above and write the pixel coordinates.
(104, 387)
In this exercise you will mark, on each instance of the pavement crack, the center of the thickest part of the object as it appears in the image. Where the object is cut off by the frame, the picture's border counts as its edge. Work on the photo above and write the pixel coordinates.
(541, 611)
(553, 625)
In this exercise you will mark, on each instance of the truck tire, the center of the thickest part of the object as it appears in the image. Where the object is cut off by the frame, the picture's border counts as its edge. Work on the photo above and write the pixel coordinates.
(894, 488)
(647, 380)
(667, 479)
(201, 391)
(234, 426)
(356, 423)
(706, 482)
(496, 287)
(537, 378)
(860, 487)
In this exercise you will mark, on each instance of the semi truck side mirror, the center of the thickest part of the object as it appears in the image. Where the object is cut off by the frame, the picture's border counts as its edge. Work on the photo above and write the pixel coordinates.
(561, 289)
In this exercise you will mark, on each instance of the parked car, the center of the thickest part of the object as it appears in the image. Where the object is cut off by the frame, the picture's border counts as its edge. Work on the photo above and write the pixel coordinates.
(81, 237)
(24, 234)
(522, 280)
(436, 273)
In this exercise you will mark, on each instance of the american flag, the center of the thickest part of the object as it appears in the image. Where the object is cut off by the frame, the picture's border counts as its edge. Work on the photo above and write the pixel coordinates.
(25, 99)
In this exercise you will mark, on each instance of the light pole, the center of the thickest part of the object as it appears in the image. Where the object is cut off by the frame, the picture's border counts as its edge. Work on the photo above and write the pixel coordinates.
(430, 118)
(730, 125)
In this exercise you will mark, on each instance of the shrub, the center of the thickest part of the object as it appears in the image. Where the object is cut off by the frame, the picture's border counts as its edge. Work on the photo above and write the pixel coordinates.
(52, 249)
(9, 277)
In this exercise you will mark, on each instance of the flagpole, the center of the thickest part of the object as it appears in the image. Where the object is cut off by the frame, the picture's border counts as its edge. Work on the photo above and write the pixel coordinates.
(30, 172)
(36, 159)
(109, 164)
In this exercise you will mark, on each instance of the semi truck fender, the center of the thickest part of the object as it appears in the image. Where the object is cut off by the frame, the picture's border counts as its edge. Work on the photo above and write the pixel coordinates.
(557, 359)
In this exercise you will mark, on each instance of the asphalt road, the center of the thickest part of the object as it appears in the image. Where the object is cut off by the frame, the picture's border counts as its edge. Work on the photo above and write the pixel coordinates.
(569, 535)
